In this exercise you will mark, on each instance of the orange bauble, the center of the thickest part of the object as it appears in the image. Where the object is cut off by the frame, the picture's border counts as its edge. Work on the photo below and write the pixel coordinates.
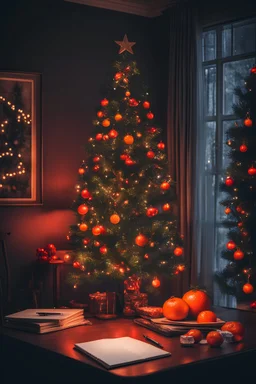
(196, 333)
(114, 219)
(82, 209)
(83, 227)
(236, 328)
(178, 251)
(141, 240)
(197, 301)
(118, 76)
(128, 139)
(227, 210)
(96, 231)
(146, 104)
(214, 339)
(248, 122)
(165, 186)
(175, 308)
(106, 123)
(156, 282)
(206, 317)
(127, 93)
(118, 117)
(100, 114)
(81, 171)
(231, 245)
(238, 255)
(66, 257)
(166, 207)
(248, 288)
(104, 102)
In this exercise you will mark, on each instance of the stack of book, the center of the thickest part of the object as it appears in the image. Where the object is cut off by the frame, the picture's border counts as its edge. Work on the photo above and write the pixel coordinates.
(46, 320)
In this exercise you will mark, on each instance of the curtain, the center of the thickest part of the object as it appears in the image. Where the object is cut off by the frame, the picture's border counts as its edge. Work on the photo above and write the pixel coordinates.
(182, 130)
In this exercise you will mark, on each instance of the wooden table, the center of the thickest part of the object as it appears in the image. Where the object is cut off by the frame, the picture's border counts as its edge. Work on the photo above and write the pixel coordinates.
(50, 358)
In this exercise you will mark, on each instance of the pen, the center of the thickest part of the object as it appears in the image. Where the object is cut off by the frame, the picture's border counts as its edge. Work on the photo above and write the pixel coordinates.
(153, 341)
(48, 313)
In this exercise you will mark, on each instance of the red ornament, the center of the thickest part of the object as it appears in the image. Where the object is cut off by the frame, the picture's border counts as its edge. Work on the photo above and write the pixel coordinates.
(150, 115)
(96, 168)
(239, 209)
(243, 148)
(96, 231)
(129, 161)
(105, 137)
(96, 243)
(99, 136)
(240, 224)
(127, 69)
(82, 209)
(231, 245)
(150, 154)
(151, 212)
(85, 194)
(165, 186)
(133, 102)
(146, 104)
(76, 264)
(253, 70)
(96, 159)
(244, 233)
(227, 210)
(178, 251)
(86, 241)
(146, 256)
(102, 229)
(161, 146)
(124, 156)
(166, 207)
(248, 122)
(100, 114)
(103, 250)
(156, 282)
(81, 171)
(252, 171)
(238, 255)
(253, 303)
(152, 130)
(229, 181)
(118, 76)
(113, 134)
(141, 240)
(248, 288)
(104, 102)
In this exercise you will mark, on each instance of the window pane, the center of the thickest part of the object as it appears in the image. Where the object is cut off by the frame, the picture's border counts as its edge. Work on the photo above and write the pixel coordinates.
(210, 91)
(234, 74)
(243, 38)
(226, 40)
(210, 156)
(209, 45)
(225, 148)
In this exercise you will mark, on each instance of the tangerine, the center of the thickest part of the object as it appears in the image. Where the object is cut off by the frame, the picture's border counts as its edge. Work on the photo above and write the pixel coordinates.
(214, 339)
(206, 317)
(196, 333)
(236, 328)
(197, 301)
(175, 308)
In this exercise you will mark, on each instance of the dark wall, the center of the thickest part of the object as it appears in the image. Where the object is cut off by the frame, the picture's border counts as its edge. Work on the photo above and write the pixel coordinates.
(73, 48)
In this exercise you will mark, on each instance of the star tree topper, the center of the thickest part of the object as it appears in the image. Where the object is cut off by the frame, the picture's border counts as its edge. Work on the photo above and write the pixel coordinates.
(125, 45)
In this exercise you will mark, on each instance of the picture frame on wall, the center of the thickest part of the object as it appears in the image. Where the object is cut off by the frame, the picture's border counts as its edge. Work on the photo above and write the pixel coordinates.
(20, 139)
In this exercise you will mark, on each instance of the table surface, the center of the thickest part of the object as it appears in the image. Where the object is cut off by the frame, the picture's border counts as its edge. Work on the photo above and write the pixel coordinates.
(63, 342)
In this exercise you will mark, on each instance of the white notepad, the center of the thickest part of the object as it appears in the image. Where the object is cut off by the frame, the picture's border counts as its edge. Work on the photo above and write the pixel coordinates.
(115, 352)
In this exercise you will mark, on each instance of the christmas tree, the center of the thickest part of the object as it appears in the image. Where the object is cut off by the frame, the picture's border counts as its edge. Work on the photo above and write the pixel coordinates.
(238, 278)
(14, 146)
(124, 207)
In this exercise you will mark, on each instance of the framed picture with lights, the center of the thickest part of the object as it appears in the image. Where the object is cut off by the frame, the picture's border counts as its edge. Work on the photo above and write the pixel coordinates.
(20, 139)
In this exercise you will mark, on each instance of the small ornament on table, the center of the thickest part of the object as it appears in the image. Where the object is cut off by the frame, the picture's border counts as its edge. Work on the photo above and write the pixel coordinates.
(133, 298)
(187, 341)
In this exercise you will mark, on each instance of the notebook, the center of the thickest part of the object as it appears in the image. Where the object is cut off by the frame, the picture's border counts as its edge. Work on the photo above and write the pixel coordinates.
(59, 316)
(116, 352)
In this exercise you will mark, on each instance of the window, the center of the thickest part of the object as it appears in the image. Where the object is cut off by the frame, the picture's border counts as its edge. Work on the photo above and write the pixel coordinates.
(228, 53)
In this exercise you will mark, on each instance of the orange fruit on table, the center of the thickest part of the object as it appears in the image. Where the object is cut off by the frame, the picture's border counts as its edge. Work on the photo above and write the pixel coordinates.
(197, 301)
(206, 317)
(236, 328)
(196, 333)
(214, 339)
(175, 308)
